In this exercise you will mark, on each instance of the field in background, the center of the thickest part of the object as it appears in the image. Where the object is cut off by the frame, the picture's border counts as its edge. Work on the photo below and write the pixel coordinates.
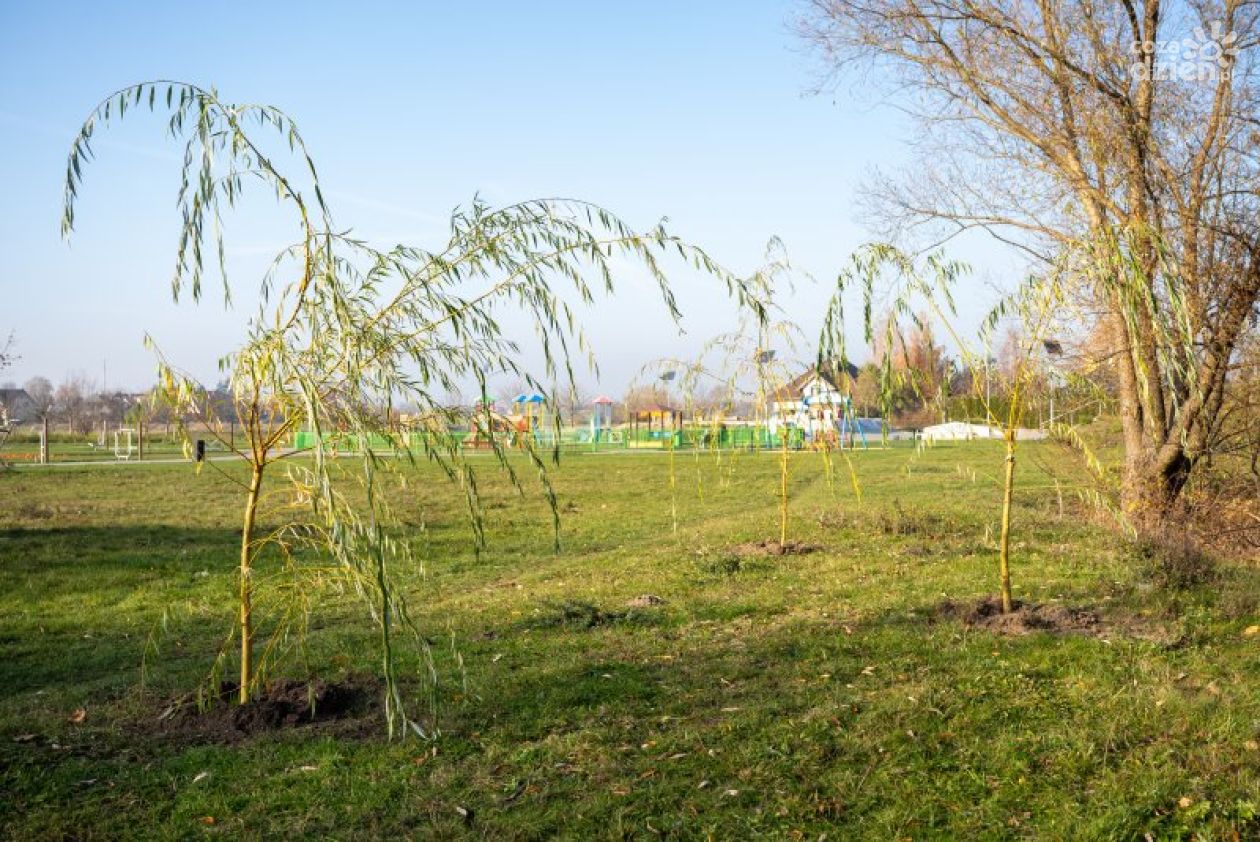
(84, 450)
(833, 692)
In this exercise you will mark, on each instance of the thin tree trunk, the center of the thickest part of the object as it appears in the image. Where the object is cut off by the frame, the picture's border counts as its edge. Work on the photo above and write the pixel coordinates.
(1004, 560)
(246, 585)
(673, 487)
(783, 490)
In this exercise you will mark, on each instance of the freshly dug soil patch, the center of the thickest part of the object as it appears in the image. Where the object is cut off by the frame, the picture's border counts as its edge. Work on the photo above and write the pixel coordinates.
(1024, 617)
(767, 547)
(350, 707)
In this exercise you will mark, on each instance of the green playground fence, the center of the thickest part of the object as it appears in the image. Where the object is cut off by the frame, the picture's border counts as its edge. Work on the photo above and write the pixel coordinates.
(579, 439)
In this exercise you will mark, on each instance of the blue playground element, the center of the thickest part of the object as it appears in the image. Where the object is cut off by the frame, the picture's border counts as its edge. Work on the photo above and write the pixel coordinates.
(847, 424)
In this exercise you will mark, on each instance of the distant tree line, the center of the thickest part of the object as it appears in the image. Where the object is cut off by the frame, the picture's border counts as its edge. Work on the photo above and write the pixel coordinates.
(78, 406)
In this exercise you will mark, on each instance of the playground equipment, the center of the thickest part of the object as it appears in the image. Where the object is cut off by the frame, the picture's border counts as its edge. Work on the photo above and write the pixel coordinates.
(529, 407)
(648, 426)
(488, 426)
(601, 418)
(831, 417)
(855, 428)
(124, 443)
(822, 423)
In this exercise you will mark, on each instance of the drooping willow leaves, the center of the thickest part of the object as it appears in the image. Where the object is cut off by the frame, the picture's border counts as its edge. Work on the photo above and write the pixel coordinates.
(749, 366)
(347, 336)
(921, 294)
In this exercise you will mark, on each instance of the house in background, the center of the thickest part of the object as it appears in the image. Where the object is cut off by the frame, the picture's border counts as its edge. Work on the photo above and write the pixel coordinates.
(816, 401)
(16, 407)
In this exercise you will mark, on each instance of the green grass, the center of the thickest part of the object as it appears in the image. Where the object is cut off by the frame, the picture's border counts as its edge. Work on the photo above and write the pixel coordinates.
(790, 695)
(24, 450)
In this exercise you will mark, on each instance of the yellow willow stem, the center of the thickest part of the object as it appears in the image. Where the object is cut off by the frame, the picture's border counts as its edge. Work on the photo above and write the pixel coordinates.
(673, 487)
(1004, 558)
(246, 586)
(828, 467)
(699, 474)
(783, 489)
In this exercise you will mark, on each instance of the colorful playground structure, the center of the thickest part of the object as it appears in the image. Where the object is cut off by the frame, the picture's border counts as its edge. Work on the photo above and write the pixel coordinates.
(531, 422)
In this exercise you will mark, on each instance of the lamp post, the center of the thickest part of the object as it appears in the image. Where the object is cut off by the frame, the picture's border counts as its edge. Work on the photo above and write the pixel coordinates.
(1054, 351)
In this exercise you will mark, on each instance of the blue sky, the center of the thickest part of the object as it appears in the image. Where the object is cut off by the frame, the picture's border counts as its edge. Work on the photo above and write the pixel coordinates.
(697, 111)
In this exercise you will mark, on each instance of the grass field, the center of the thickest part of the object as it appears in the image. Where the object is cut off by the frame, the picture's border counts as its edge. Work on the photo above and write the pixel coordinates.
(791, 696)
(25, 450)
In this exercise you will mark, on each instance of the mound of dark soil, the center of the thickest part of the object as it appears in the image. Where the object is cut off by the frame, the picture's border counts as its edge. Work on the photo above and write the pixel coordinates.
(350, 706)
(768, 547)
(1024, 617)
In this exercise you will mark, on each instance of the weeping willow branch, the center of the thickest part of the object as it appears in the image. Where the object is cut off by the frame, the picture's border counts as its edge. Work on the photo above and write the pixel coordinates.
(928, 288)
(346, 334)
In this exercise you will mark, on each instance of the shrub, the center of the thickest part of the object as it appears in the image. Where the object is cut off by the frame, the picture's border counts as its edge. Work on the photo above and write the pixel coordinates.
(1173, 560)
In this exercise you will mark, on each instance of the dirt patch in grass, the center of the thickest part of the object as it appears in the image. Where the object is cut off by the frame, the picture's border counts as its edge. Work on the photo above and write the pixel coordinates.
(1024, 617)
(768, 547)
(349, 707)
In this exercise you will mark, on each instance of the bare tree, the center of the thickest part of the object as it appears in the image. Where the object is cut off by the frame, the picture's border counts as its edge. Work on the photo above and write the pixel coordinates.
(6, 360)
(1009, 352)
(41, 394)
(7, 355)
(1118, 136)
(70, 401)
(577, 402)
(641, 396)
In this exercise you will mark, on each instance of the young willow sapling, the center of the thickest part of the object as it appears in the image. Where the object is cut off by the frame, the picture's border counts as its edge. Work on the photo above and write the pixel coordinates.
(748, 365)
(922, 295)
(345, 334)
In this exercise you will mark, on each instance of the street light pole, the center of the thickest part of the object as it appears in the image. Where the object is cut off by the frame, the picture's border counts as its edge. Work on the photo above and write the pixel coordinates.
(1054, 350)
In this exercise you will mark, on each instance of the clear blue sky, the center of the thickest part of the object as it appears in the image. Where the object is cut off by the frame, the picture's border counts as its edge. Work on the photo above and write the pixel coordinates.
(697, 111)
